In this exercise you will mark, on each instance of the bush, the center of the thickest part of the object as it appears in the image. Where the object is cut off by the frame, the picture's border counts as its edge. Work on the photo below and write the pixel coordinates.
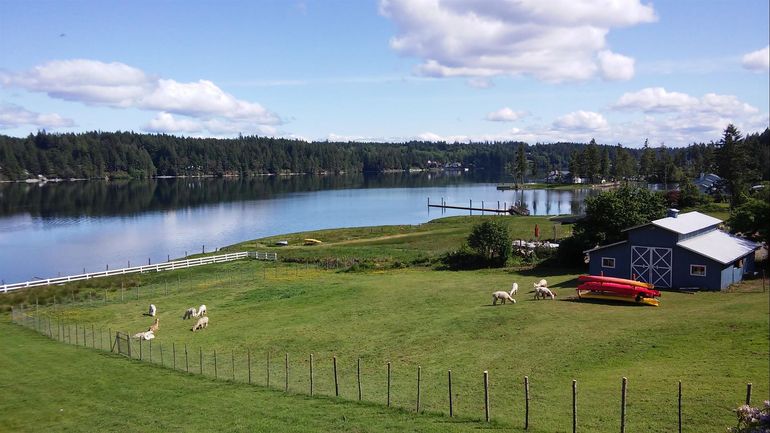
(752, 419)
(492, 242)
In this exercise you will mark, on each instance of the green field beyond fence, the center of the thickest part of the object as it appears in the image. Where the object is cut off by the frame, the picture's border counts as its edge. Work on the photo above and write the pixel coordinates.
(390, 337)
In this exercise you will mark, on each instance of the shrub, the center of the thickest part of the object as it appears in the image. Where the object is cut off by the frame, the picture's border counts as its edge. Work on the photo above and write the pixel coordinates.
(492, 242)
(752, 419)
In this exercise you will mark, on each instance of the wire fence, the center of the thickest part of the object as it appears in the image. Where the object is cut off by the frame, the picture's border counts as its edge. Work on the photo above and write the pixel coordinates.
(388, 383)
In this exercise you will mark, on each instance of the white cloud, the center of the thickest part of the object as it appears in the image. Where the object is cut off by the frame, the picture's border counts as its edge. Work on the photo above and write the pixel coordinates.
(551, 40)
(758, 61)
(480, 83)
(167, 123)
(659, 100)
(122, 86)
(615, 67)
(581, 121)
(505, 114)
(12, 116)
(655, 99)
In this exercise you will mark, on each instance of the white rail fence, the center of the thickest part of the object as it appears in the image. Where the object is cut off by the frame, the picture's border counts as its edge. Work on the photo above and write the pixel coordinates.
(166, 266)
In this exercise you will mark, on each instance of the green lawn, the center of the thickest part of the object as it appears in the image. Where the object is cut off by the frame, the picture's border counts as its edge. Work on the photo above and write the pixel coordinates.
(417, 316)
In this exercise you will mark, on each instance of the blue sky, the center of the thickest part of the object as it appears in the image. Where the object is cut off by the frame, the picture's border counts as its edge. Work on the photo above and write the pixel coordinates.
(620, 71)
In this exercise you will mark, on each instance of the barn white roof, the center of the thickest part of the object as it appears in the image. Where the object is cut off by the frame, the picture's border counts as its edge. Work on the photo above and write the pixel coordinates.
(719, 246)
(686, 222)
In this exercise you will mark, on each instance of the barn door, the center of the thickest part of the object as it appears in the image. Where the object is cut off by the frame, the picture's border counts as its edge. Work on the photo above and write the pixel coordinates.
(652, 265)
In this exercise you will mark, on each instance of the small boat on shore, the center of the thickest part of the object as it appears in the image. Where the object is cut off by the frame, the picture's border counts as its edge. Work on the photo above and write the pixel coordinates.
(310, 241)
(617, 289)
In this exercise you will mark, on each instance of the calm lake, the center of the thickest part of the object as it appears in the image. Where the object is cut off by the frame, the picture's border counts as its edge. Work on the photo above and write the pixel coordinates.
(53, 229)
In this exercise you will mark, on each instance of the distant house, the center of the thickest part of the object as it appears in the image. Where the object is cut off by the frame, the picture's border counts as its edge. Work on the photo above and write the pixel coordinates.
(708, 183)
(558, 176)
(686, 250)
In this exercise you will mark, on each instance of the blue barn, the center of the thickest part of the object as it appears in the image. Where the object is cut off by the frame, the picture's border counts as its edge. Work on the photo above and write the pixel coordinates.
(686, 250)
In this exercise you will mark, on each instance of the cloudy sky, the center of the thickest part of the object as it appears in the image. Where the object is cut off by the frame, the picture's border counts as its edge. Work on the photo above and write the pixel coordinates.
(620, 71)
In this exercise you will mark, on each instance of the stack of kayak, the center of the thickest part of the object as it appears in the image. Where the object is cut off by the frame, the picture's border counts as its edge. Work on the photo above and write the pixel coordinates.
(617, 289)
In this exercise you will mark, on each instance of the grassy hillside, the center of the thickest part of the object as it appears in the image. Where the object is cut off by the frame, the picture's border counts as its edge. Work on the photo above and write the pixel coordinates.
(713, 342)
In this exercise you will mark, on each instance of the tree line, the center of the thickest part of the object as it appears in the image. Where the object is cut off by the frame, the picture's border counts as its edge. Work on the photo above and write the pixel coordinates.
(132, 155)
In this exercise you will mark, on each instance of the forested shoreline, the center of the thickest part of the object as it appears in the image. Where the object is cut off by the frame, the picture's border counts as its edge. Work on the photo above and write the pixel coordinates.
(116, 155)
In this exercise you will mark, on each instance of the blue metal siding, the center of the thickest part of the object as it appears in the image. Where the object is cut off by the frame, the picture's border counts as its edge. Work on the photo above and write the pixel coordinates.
(727, 277)
(652, 236)
(621, 254)
(680, 272)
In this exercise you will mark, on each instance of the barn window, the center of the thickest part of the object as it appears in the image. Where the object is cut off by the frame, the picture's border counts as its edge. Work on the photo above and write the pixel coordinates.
(698, 270)
(608, 262)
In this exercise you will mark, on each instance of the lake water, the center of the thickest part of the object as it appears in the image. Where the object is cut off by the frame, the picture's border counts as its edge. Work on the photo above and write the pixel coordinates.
(63, 228)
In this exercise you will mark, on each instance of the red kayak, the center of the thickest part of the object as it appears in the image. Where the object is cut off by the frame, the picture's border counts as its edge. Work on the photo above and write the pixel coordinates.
(601, 279)
(617, 288)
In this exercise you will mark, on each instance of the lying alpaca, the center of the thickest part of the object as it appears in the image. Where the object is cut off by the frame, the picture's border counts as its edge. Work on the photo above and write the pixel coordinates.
(152, 310)
(202, 310)
(190, 313)
(543, 292)
(505, 296)
(154, 327)
(202, 323)
(147, 335)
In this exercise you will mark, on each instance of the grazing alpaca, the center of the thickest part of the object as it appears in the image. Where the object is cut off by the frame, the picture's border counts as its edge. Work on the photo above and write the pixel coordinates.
(541, 283)
(200, 324)
(154, 327)
(202, 310)
(190, 313)
(153, 310)
(544, 292)
(147, 335)
(505, 296)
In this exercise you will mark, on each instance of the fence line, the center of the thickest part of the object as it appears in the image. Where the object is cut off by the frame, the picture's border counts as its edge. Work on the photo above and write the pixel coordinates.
(120, 343)
(166, 266)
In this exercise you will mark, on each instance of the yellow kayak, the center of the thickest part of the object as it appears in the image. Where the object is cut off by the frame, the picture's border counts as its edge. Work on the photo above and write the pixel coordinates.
(312, 241)
(587, 294)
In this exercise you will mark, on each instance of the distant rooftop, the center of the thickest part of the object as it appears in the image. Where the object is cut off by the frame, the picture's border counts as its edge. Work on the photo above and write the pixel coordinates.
(719, 246)
(686, 222)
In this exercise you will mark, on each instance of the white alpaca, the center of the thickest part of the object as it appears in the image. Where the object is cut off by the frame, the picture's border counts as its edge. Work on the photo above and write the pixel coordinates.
(505, 296)
(190, 313)
(153, 310)
(543, 292)
(200, 324)
(541, 283)
(147, 335)
(202, 310)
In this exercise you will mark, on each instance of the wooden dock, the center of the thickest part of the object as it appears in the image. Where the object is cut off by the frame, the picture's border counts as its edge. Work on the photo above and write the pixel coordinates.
(510, 210)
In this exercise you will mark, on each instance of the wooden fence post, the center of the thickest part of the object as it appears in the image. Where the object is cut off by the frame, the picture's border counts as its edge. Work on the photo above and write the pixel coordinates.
(623, 406)
(77, 340)
(286, 369)
(748, 393)
(150, 351)
(311, 374)
(574, 406)
(388, 383)
(526, 403)
(419, 377)
(248, 362)
(486, 395)
(128, 338)
(186, 359)
(162, 363)
(93, 336)
(358, 375)
(140, 349)
(449, 379)
(679, 406)
(336, 384)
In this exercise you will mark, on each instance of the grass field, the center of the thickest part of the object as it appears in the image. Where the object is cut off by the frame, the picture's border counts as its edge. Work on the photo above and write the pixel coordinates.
(416, 316)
